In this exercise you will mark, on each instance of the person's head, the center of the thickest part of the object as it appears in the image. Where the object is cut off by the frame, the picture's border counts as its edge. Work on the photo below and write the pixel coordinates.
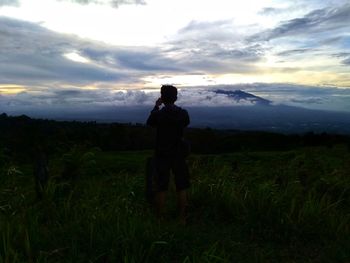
(168, 94)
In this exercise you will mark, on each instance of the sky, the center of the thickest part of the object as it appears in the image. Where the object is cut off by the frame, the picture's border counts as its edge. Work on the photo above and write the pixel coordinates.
(73, 53)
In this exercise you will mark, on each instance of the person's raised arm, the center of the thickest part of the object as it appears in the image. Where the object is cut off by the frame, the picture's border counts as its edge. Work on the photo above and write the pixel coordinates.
(152, 119)
(186, 118)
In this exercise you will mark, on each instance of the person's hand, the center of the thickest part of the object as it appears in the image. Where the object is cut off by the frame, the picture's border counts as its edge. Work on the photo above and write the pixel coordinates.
(159, 102)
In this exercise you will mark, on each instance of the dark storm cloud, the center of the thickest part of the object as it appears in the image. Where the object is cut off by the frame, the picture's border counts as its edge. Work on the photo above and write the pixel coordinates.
(317, 21)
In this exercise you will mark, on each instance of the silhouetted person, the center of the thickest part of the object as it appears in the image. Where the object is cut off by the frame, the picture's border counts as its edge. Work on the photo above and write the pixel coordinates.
(170, 149)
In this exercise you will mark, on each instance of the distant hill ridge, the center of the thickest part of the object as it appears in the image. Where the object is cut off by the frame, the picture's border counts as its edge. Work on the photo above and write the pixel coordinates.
(239, 95)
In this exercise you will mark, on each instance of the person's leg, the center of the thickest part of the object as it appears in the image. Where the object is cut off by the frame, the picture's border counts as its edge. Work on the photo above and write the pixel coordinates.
(162, 182)
(160, 203)
(182, 182)
(181, 205)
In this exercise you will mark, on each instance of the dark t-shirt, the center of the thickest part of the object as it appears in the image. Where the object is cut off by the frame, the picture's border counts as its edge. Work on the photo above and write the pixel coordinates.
(170, 122)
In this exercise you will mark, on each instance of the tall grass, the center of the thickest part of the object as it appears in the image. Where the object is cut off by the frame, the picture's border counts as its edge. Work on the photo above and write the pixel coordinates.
(244, 207)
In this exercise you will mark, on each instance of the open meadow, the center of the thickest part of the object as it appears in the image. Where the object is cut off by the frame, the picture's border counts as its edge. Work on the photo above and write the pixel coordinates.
(276, 206)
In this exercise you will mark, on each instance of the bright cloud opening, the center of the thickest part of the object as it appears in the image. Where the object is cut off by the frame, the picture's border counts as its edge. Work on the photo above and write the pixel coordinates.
(76, 57)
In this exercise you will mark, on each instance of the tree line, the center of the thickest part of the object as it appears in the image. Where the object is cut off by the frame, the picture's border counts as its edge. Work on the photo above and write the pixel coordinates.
(20, 136)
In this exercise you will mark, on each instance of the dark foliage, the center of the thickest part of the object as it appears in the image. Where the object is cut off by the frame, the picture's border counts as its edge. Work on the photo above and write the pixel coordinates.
(20, 135)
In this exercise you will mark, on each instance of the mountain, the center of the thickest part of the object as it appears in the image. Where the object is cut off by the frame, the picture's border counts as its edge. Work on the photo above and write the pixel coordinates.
(247, 112)
(278, 118)
(239, 95)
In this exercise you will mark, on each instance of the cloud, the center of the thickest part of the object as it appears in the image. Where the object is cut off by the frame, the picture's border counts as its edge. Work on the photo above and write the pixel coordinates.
(317, 21)
(202, 27)
(270, 11)
(332, 40)
(344, 56)
(312, 97)
(346, 61)
(142, 59)
(214, 47)
(293, 52)
(309, 39)
(207, 106)
(210, 31)
(9, 2)
(37, 56)
(329, 98)
(42, 100)
(114, 3)
(204, 47)
(74, 98)
(308, 101)
(33, 55)
(341, 54)
(93, 99)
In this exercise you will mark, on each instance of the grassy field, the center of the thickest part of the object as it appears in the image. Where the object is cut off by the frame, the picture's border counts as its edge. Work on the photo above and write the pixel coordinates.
(289, 206)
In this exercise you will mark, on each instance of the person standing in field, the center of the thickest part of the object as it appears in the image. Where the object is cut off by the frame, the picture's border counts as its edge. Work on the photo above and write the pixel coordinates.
(170, 149)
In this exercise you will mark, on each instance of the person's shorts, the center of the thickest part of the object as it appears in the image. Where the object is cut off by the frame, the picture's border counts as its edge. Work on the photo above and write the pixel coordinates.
(178, 167)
